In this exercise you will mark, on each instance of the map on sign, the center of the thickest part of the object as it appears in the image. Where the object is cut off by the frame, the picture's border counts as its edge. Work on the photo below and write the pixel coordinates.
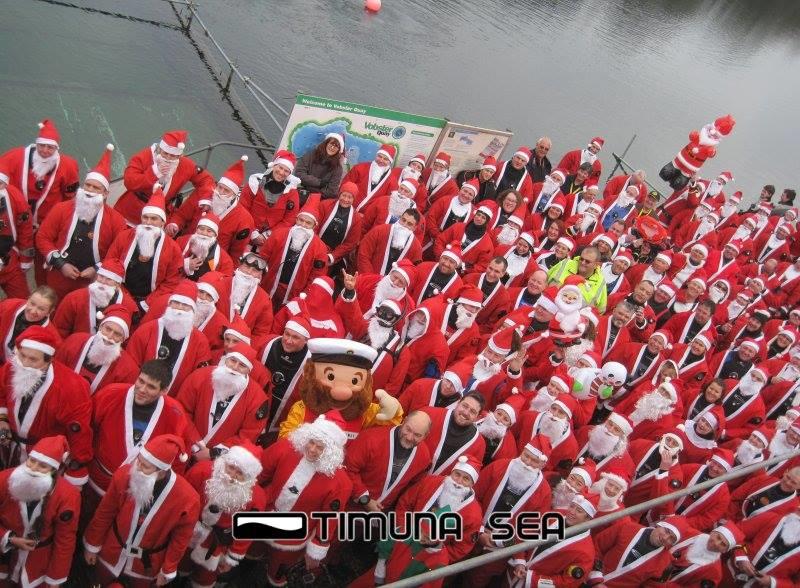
(308, 134)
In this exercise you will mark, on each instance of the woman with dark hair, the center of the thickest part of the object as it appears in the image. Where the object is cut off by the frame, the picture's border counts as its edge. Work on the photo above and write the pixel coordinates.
(320, 170)
(547, 238)
(710, 394)
(508, 202)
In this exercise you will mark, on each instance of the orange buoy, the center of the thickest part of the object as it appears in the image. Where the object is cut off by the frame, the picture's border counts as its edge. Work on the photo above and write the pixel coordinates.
(372, 5)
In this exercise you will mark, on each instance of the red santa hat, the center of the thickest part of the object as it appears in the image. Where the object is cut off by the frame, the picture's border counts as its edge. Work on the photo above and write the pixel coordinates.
(411, 185)
(350, 188)
(102, 171)
(699, 277)
(300, 325)
(244, 353)
(567, 403)
(458, 374)
(527, 237)
(566, 242)
(210, 221)
(120, 315)
(793, 211)
(618, 474)
(706, 338)
(588, 503)
(595, 207)
(405, 268)
(732, 534)
(39, 338)
(246, 456)
(592, 358)
(677, 525)
(336, 137)
(453, 251)
(311, 207)
(157, 205)
(667, 287)
(664, 256)
(786, 228)
(523, 153)
(112, 269)
(473, 185)
(625, 256)
(665, 336)
(487, 208)
(509, 410)
(471, 295)
(736, 197)
(607, 238)
(671, 386)
(48, 133)
(212, 284)
(234, 175)
(173, 142)
(765, 207)
(558, 176)
(724, 457)
(501, 341)
(559, 202)
(238, 328)
(185, 293)
(420, 158)
(285, 158)
(468, 465)
(725, 177)
(443, 158)
(751, 343)
(547, 299)
(586, 469)
(701, 248)
(162, 450)
(597, 142)
(714, 416)
(539, 446)
(517, 220)
(489, 163)
(53, 451)
(622, 422)
(563, 380)
(724, 124)
(764, 434)
(388, 151)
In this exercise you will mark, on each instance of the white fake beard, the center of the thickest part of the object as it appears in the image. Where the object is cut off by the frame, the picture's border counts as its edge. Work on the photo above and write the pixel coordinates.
(376, 172)
(226, 382)
(650, 407)
(790, 530)
(242, 286)
(103, 351)
(437, 178)
(735, 309)
(485, 369)
(41, 166)
(624, 201)
(409, 172)
(778, 445)
(378, 334)
(491, 428)
(521, 476)
(400, 236)
(204, 310)
(740, 233)
(508, 234)
(716, 295)
(26, 485)
(651, 275)
(299, 236)
(414, 330)
(748, 386)
(602, 443)
(146, 237)
(458, 208)
(219, 204)
(714, 188)
(698, 552)
(87, 207)
(549, 187)
(141, 485)
(399, 204)
(587, 220)
(552, 428)
(605, 503)
(542, 401)
(608, 274)
(168, 165)
(789, 373)
(178, 323)
(706, 226)
(23, 378)
(385, 290)
(452, 494)
(563, 494)
(587, 156)
(571, 356)
(748, 453)
(464, 319)
(200, 245)
(101, 294)
(227, 493)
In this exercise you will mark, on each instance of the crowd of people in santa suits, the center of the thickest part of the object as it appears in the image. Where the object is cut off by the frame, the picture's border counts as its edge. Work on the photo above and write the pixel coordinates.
(554, 343)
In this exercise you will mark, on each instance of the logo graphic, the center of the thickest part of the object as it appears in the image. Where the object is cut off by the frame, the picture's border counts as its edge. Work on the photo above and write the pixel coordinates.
(399, 132)
(269, 525)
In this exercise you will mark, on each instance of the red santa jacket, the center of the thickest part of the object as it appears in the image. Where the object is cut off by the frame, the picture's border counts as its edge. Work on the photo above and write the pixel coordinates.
(618, 184)
(415, 356)
(602, 341)
(443, 191)
(420, 393)
(747, 416)
(72, 353)
(495, 304)
(694, 574)
(623, 460)
(194, 353)
(678, 326)
(55, 233)
(524, 185)
(311, 263)
(437, 216)
(140, 178)
(563, 563)
(282, 465)
(112, 422)
(572, 160)
(691, 374)
(10, 309)
(167, 260)
(377, 213)
(292, 394)
(368, 463)
(440, 420)
(475, 256)
(631, 355)
(61, 406)
(269, 217)
(244, 418)
(359, 175)
(755, 497)
(164, 533)
(351, 232)
(761, 535)
(374, 249)
(563, 450)
(218, 259)
(205, 550)
(424, 274)
(77, 313)
(55, 530)
(703, 509)
(17, 224)
(235, 224)
(256, 311)
(60, 184)
(614, 545)
(648, 479)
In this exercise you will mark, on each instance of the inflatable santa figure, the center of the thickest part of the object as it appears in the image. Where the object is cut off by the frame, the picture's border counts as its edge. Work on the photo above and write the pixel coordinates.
(702, 146)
